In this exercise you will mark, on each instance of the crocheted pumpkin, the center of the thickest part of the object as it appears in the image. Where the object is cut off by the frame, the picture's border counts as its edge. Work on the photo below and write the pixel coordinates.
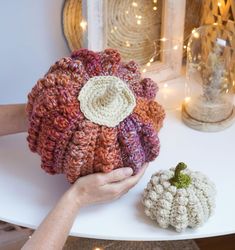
(93, 113)
(179, 198)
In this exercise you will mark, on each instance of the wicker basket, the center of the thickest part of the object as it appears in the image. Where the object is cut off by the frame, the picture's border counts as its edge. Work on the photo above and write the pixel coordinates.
(72, 17)
(122, 32)
(133, 29)
(130, 29)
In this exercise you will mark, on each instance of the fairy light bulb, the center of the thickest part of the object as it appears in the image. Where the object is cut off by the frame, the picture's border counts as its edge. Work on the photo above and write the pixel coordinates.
(185, 47)
(175, 47)
(219, 4)
(138, 22)
(155, 8)
(151, 60)
(83, 24)
(187, 99)
(134, 4)
(127, 44)
(155, 1)
(148, 64)
(165, 85)
(196, 35)
(144, 70)
(163, 39)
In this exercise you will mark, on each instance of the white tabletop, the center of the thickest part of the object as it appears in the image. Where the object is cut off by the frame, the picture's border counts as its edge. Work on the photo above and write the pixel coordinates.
(27, 193)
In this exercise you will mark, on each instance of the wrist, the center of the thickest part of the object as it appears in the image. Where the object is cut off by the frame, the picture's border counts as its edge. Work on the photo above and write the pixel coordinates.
(73, 197)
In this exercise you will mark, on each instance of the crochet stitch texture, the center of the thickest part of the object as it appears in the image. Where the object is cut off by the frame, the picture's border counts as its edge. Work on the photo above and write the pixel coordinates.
(169, 205)
(70, 143)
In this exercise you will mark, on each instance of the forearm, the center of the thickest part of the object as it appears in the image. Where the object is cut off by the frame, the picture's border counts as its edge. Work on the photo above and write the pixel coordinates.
(13, 119)
(53, 231)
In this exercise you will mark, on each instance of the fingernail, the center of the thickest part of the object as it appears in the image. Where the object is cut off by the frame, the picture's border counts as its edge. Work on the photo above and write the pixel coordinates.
(128, 171)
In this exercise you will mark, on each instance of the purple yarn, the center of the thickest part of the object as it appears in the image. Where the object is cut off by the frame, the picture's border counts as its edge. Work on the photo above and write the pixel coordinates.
(131, 149)
(148, 138)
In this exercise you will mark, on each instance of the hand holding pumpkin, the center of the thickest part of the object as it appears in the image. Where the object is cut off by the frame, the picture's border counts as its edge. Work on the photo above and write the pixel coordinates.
(101, 187)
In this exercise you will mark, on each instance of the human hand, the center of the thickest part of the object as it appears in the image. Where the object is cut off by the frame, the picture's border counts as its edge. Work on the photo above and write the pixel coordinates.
(101, 187)
(91, 189)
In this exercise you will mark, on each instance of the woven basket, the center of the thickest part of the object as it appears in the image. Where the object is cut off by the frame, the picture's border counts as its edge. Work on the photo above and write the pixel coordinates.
(125, 34)
(72, 17)
(133, 40)
(130, 39)
(223, 13)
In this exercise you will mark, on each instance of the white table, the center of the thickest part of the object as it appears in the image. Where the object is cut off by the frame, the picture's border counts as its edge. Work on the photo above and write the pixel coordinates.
(27, 193)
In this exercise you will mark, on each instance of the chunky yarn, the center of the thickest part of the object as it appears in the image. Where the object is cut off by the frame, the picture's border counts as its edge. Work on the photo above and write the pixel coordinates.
(93, 113)
(179, 198)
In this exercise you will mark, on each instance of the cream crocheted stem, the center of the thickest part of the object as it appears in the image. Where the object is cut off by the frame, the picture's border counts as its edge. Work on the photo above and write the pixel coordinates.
(110, 94)
(106, 100)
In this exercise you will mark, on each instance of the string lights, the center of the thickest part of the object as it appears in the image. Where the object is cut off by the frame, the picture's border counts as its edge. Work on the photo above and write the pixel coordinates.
(83, 25)
(134, 4)
(158, 48)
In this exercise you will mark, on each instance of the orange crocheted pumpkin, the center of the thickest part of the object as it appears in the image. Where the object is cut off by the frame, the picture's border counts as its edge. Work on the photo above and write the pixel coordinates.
(93, 113)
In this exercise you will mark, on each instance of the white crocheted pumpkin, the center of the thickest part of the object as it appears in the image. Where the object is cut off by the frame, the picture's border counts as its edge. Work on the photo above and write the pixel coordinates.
(179, 197)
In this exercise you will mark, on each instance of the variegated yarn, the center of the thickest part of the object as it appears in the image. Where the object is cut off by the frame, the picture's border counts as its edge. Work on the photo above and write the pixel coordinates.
(93, 113)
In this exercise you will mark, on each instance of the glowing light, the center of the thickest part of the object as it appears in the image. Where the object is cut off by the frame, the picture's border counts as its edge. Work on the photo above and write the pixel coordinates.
(219, 4)
(115, 27)
(155, 8)
(187, 99)
(138, 22)
(196, 34)
(175, 47)
(127, 12)
(233, 83)
(163, 39)
(98, 248)
(138, 17)
(144, 70)
(83, 24)
(193, 31)
(134, 4)
(155, 1)
(148, 64)
(151, 60)
(128, 44)
(165, 85)
(112, 31)
(227, 90)
(215, 24)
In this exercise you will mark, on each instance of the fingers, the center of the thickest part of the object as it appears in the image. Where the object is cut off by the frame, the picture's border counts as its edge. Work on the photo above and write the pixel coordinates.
(114, 176)
(123, 186)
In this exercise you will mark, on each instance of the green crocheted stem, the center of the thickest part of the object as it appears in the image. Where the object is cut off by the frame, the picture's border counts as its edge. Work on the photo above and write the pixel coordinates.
(179, 179)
